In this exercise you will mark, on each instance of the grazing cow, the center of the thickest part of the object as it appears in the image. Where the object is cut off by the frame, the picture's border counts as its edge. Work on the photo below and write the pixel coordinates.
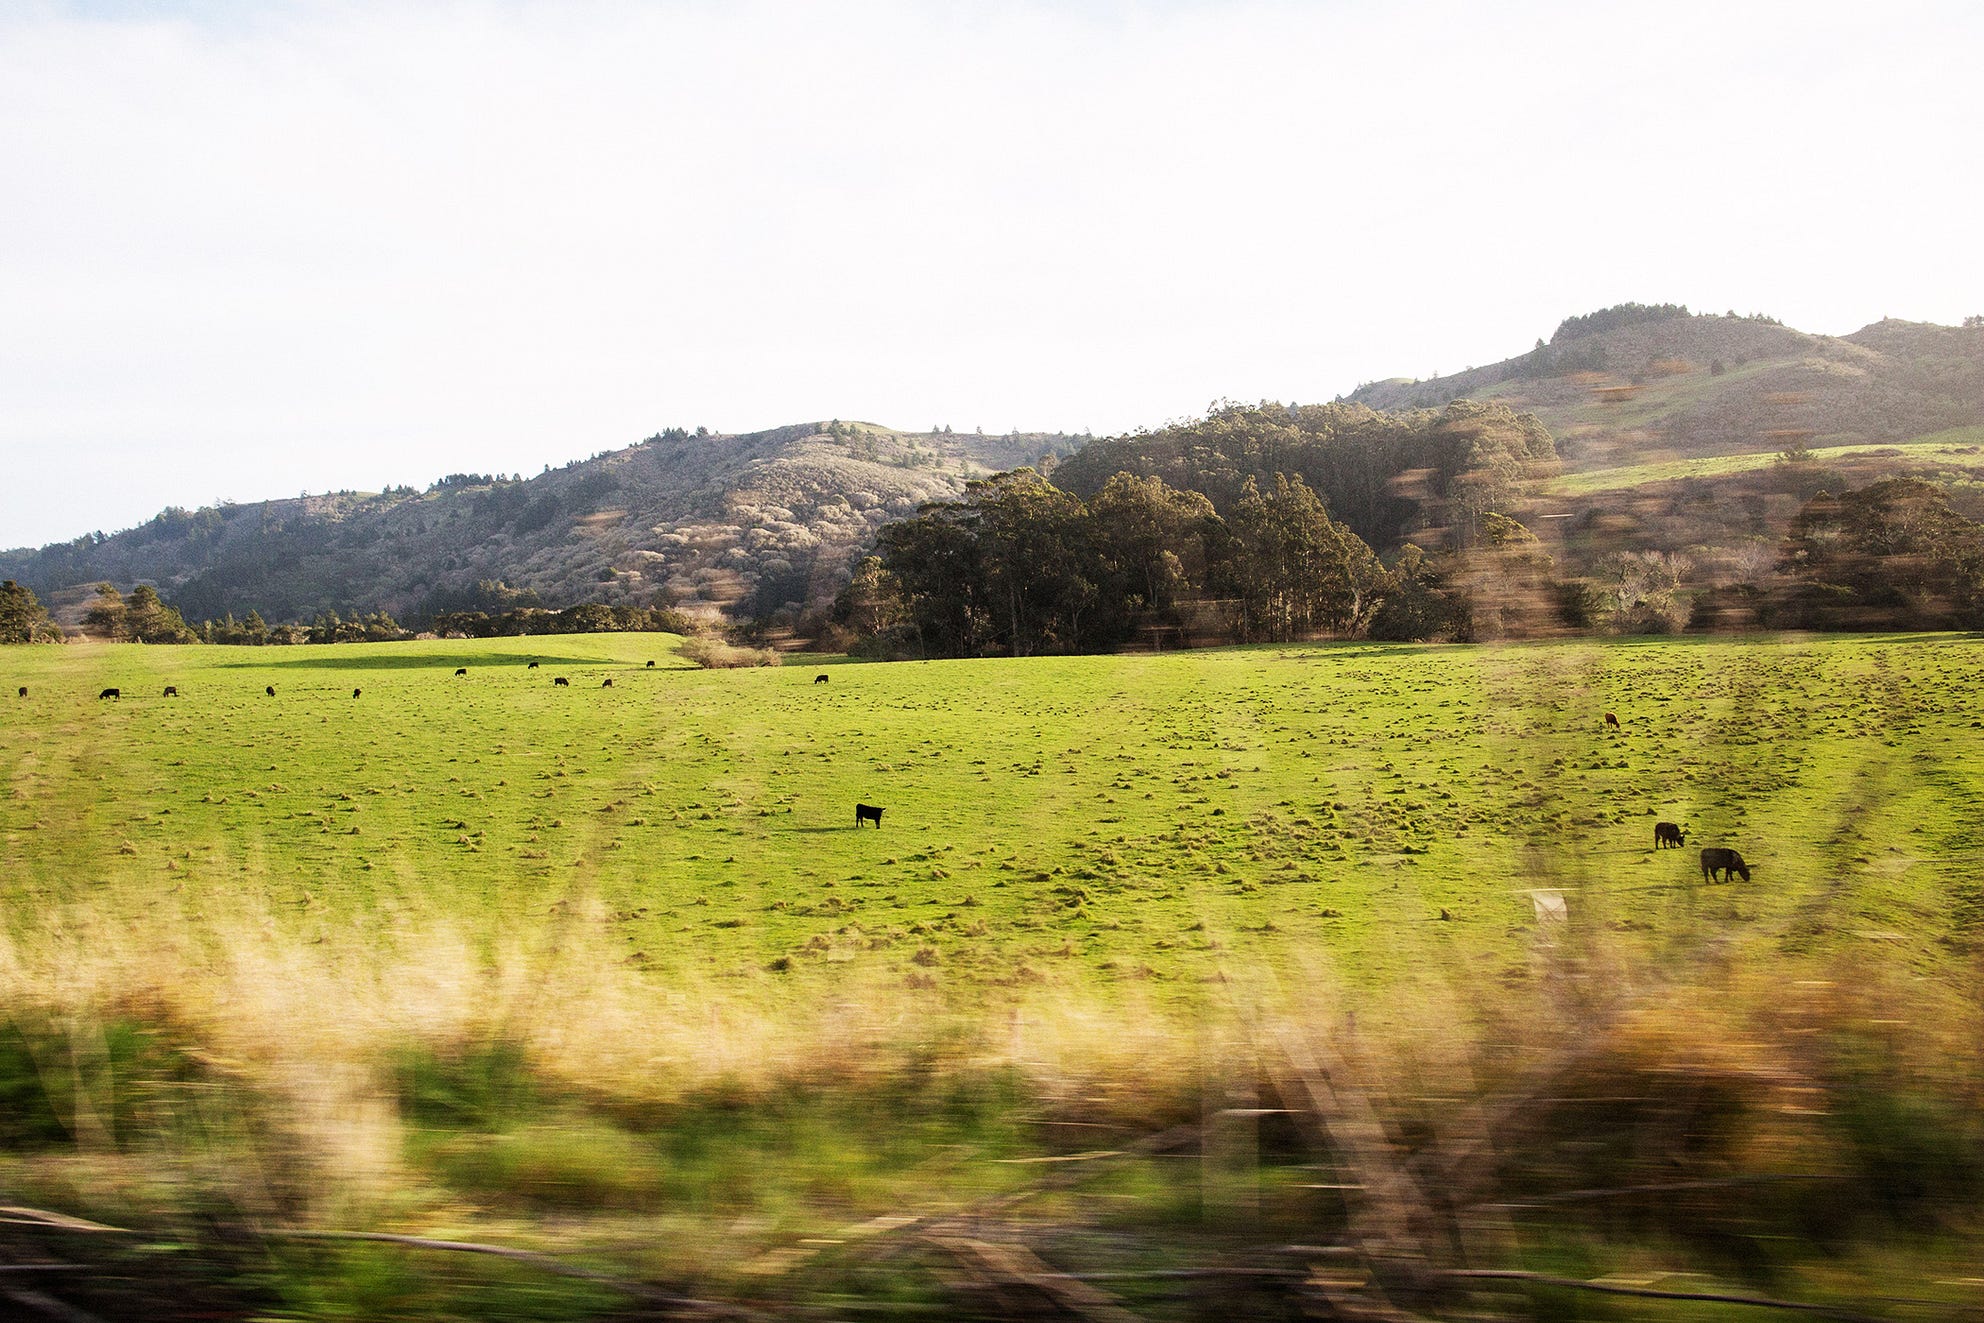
(607, 683)
(172, 691)
(270, 691)
(1612, 720)
(558, 680)
(356, 692)
(821, 679)
(531, 667)
(867, 813)
(460, 671)
(650, 663)
(1720, 859)
(1666, 833)
(110, 693)
(24, 691)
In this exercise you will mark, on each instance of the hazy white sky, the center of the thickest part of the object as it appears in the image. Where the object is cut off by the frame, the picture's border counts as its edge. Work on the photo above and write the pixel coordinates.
(250, 249)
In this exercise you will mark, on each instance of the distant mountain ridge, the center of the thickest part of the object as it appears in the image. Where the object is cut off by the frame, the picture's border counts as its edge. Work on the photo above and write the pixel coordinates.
(1640, 383)
(752, 523)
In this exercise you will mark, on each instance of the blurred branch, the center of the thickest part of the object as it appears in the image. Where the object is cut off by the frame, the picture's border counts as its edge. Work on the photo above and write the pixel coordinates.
(1672, 1187)
(1646, 1292)
(1006, 1270)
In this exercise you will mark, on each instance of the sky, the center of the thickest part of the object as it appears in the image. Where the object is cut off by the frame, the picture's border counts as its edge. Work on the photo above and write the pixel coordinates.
(249, 250)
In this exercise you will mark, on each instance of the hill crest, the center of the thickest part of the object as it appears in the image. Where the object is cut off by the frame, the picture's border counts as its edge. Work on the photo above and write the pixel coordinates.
(754, 523)
(1644, 383)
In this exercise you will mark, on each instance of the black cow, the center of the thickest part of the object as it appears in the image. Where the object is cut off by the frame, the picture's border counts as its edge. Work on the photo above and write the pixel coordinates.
(356, 692)
(24, 691)
(460, 671)
(650, 664)
(531, 667)
(867, 813)
(172, 691)
(110, 693)
(821, 679)
(1612, 720)
(1666, 833)
(1720, 859)
(270, 691)
(607, 683)
(558, 680)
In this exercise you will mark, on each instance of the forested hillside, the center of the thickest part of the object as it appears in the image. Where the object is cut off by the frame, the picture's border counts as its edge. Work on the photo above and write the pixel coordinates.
(1634, 383)
(1386, 475)
(754, 523)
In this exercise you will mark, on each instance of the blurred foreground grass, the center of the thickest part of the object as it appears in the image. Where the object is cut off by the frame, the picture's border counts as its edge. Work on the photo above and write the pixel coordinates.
(1333, 1095)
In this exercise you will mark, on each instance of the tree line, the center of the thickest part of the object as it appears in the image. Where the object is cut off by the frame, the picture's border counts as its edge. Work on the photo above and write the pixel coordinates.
(144, 618)
(1020, 567)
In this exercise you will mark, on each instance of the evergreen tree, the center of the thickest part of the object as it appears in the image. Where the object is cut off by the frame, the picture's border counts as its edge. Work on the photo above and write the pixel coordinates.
(105, 615)
(149, 620)
(22, 617)
(1292, 570)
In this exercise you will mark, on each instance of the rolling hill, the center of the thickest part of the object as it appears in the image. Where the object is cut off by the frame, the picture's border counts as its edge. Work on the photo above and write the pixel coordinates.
(1654, 419)
(750, 523)
(1636, 385)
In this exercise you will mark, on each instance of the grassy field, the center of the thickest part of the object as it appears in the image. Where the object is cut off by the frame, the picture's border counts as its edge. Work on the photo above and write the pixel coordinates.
(483, 955)
(1089, 819)
(1956, 449)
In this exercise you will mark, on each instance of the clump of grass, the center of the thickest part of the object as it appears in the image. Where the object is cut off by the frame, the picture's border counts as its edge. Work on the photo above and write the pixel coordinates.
(715, 654)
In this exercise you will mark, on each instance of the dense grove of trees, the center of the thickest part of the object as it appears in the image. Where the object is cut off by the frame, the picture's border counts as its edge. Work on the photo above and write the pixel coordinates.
(586, 618)
(1256, 522)
(143, 618)
(252, 631)
(380, 627)
(1422, 473)
(1022, 567)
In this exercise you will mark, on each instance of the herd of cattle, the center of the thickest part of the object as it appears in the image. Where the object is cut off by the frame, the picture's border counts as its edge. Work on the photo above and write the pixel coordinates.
(172, 691)
(1719, 863)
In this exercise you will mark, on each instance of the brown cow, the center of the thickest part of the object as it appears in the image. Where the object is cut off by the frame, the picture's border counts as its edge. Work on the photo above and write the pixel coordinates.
(1666, 833)
(270, 691)
(1612, 720)
(172, 691)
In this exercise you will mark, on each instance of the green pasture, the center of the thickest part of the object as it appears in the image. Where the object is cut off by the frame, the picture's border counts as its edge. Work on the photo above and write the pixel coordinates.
(1957, 449)
(1163, 821)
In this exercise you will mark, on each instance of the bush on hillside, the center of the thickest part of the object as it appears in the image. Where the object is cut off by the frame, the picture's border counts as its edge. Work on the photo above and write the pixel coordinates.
(715, 654)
